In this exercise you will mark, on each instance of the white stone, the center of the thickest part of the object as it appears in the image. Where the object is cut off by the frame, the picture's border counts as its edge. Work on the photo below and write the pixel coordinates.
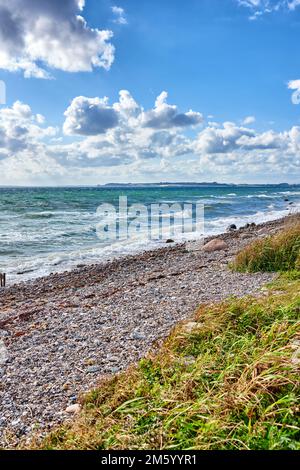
(3, 353)
(73, 409)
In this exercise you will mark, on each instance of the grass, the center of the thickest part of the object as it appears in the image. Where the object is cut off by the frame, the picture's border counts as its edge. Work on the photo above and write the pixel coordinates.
(274, 253)
(228, 379)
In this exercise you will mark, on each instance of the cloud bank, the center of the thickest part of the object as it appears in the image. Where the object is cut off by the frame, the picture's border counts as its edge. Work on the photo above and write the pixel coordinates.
(123, 141)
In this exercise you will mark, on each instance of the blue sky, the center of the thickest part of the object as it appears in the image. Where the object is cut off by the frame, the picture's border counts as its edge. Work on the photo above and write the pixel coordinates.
(226, 60)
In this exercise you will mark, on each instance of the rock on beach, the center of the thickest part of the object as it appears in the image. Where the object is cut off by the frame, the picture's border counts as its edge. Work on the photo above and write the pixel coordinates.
(215, 245)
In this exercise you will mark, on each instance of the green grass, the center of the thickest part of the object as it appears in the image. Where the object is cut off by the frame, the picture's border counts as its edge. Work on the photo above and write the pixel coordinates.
(232, 382)
(274, 253)
(229, 379)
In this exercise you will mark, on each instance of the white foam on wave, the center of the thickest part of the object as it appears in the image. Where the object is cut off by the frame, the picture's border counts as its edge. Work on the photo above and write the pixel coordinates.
(57, 261)
(217, 226)
(291, 193)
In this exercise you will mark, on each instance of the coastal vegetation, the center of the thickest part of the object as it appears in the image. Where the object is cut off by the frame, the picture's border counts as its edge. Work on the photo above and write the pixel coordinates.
(226, 379)
(279, 252)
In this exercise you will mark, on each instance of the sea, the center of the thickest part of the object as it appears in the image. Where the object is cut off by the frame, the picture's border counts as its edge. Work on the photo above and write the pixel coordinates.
(47, 230)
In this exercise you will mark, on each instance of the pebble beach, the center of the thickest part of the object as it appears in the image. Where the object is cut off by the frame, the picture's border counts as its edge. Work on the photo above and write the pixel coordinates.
(61, 333)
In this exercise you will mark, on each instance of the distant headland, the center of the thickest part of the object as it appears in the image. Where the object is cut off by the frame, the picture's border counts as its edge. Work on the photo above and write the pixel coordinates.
(164, 184)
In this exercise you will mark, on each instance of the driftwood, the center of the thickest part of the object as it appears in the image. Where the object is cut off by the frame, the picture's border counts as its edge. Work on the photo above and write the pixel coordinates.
(2, 279)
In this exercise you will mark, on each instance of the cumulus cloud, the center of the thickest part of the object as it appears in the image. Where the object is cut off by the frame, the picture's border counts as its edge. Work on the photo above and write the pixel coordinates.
(295, 85)
(24, 155)
(20, 129)
(89, 116)
(93, 116)
(229, 138)
(37, 35)
(213, 139)
(166, 116)
(120, 15)
(269, 140)
(113, 144)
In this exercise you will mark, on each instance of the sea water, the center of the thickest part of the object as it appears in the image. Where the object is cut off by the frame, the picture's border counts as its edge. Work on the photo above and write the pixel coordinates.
(44, 230)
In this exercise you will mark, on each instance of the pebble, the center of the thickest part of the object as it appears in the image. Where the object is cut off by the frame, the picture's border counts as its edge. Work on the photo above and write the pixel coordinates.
(3, 353)
(73, 409)
(93, 369)
(138, 336)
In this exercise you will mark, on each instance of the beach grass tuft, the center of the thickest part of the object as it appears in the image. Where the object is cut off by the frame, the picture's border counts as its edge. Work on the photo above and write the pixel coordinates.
(280, 252)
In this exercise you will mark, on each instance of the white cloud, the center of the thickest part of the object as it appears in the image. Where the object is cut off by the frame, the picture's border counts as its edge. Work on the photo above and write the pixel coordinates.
(20, 129)
(214, 139)
(89, 116)
(113, 144)
(251, 3)
(120, 16)
(295, 85)
(37, 35)
(261, 7)
(293, 4)
(24, 156)
(94, 116)
(165, 116)
(249, 120)
(269, 140)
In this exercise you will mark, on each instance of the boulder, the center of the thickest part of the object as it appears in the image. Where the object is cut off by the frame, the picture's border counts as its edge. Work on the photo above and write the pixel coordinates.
(243, 236)
(215, 245)
(169, 240)
(232, 227)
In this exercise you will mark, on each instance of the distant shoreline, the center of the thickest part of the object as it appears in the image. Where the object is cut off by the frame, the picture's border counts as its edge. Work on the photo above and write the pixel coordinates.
(155, 185)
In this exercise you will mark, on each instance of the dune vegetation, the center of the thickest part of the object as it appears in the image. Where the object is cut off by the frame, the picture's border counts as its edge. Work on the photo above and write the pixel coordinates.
(280, 252)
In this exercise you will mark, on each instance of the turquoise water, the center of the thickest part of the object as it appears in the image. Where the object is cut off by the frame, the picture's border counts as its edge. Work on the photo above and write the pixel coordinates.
(44, 230)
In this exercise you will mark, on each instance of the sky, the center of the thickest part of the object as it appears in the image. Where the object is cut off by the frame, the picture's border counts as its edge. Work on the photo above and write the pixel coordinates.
(99, 91)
